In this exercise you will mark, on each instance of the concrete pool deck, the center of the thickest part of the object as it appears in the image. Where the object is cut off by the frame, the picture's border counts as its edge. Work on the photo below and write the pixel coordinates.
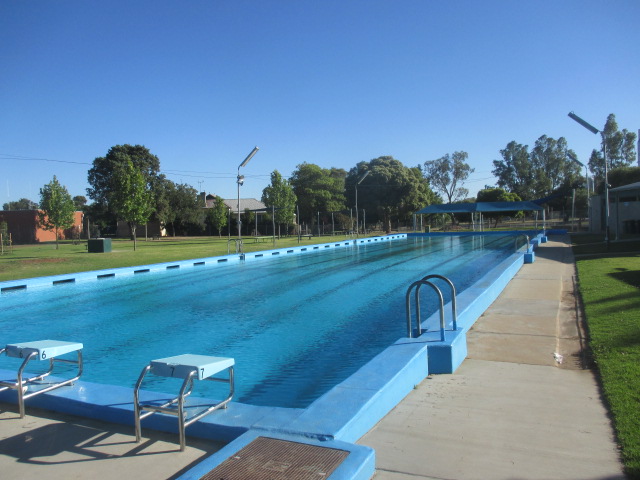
(510, 411)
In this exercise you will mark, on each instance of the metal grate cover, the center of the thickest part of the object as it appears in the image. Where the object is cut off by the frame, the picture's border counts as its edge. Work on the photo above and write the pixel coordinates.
(271, 459)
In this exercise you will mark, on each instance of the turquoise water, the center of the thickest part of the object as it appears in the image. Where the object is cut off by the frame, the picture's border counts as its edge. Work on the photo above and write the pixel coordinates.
(296, 324)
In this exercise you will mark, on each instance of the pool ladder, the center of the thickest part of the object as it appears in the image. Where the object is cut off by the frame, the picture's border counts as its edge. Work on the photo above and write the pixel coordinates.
(239, 246)
(415, 286)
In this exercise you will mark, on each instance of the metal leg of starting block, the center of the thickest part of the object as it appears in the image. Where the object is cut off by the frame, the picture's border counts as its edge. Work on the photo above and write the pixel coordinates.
(41, 350)
(190, 368)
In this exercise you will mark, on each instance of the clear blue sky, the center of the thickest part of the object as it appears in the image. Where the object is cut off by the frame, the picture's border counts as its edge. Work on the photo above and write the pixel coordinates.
(331, 82)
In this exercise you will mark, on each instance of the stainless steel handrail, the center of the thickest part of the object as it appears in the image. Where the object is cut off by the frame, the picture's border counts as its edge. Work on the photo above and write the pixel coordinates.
(417, 286)
(454, 309)
(239, 246)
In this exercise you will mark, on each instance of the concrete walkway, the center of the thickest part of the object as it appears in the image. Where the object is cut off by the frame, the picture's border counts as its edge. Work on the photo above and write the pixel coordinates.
(58, 446)
(511, 411)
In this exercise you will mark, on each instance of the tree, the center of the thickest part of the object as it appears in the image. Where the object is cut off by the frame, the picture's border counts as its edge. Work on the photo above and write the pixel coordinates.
(390, 191)
(554, 172)
(545, 171)
(247, 218)
(217, 215)
(101, 175)
(447, 175)
(497, 195)
(185, 206)
(514, 172)
(279, 194)
(80, 202)
(621, 176)
(318, 189)
(56, 208)
(620, 149)
(163, 193)
(131, 198)
(22, 204)
(620, 144)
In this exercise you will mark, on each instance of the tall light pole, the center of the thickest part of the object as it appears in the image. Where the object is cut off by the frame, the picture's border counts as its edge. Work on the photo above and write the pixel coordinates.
(358, 183)
(594, 130)
(240, 182)
(574, 159)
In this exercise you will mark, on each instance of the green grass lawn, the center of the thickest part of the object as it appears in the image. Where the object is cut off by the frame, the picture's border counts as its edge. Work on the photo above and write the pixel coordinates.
(609, 285)
(28, 261)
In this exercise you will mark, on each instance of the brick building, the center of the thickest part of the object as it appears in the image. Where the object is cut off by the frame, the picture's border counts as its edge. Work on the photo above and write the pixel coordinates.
(24, 227)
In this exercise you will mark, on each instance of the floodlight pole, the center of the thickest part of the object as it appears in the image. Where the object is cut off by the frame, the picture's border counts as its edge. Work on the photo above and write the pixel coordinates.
(594, 130)
(358, 183)
(240, 181)
(574, 159)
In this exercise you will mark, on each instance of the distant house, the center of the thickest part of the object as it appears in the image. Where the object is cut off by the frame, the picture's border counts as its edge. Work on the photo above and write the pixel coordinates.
(624, 210)
(256, 206)
(24, 227)
(252, 204)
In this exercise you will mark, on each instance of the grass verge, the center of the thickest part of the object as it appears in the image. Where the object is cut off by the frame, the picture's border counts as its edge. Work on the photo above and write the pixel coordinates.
(609, 281)
(28, 261)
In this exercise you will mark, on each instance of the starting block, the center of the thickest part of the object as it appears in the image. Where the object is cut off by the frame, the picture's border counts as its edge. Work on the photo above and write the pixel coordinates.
(40, 350)
(189, 368)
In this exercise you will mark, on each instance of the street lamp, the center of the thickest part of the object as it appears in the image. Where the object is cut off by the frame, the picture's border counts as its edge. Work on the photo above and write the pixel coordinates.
(358, 183)
(574, 159)
(240, 182)
(594, 130)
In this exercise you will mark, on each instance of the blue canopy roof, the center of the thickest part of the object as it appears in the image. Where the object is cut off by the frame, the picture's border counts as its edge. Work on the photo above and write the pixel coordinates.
(480, 207)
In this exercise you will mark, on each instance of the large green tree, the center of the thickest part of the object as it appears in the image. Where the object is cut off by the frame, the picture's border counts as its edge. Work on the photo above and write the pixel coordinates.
(56, 208)
(318, 189)
(620, 149)
(101, 176)
(186, 208)
(390, 192)
(279, 195)
(514, 172)
(554, 171)
(447, 175)
(131, 198)
(544, 171)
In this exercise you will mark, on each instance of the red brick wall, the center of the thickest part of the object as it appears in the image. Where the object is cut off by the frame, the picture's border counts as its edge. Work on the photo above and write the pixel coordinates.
(24, 227)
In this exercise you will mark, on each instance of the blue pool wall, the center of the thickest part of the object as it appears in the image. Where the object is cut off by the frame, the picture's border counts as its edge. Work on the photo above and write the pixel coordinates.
(343, 414)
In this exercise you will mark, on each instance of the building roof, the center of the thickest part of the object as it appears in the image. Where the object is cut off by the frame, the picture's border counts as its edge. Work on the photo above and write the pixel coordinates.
(245, 203)
(631, 186)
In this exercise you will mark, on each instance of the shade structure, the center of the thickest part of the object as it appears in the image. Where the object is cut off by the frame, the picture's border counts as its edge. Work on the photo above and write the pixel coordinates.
(480, 207)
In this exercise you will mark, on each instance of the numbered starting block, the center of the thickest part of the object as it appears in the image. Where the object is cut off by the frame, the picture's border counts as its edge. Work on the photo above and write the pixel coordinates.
(40, 350)
(188, 368)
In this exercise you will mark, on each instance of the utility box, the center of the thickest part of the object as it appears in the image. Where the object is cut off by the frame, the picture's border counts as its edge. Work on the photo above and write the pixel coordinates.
(99, 245)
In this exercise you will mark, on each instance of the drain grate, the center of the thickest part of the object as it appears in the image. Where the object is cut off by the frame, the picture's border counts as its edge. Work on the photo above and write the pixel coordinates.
(271, 459)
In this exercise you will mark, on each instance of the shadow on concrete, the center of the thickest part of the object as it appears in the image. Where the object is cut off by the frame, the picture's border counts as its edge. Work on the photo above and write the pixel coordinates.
(84, 445)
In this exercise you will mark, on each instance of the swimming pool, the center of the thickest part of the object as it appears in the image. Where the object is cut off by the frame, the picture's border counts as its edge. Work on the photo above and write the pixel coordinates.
(296, 324)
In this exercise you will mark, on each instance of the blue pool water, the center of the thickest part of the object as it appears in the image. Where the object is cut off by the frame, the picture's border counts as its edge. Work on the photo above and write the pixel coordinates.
(296, 324)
